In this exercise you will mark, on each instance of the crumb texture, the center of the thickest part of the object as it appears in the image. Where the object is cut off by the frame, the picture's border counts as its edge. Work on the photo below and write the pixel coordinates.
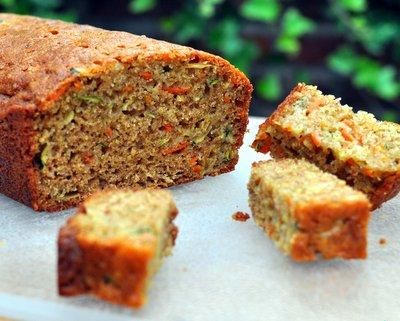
(115, 243)
(307, 212)
(354, 146)
(91, 108)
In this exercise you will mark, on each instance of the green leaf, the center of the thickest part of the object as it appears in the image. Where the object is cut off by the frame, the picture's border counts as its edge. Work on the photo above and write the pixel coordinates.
(7, 3)
(141, 6)
(354, 5)
(184, 26)
(343, 61)
(261, 10)
(207, 7)
(168, 25)
(288, 44)
(269, 87)
(380, 35)
(385, 84)
(294, 24)
(225, 37)
(366, 72)
(244, 58)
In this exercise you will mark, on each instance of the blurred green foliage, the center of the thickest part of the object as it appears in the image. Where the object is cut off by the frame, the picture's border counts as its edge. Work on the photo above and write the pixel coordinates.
(369, 56)
(41, 8)
(368, 36)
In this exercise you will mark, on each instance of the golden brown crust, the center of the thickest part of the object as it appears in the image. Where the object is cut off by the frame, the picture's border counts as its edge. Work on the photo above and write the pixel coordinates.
(262, 143)
(113, 271)
(308, 213)
(17, 173)
(34, 76)
(348, 242)
(31, 83)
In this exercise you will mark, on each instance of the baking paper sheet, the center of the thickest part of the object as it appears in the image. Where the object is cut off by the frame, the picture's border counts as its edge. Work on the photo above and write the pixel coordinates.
(221, 269)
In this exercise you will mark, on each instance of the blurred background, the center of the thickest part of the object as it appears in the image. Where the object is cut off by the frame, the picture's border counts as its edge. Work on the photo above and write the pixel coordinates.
(350, 48)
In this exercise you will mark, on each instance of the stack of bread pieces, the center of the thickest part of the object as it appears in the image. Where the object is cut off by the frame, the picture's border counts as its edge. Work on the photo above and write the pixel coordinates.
(305, 210)
(104, 119)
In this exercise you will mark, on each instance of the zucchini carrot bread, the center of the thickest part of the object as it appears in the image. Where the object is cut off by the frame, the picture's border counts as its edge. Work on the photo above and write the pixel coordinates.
(356, 147)
(307, 212)
(83, 108)
(115, 243)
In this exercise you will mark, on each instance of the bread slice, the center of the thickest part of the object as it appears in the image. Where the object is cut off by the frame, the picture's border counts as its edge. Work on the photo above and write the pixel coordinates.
(115, 243)
(356, 147)
(308, 213)
(83, 108)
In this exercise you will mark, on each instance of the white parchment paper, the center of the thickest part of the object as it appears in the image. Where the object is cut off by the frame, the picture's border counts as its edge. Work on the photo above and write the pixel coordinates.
(221, 269)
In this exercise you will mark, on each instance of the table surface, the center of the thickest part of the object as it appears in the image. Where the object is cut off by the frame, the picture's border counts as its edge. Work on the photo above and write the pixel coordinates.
(221, 269)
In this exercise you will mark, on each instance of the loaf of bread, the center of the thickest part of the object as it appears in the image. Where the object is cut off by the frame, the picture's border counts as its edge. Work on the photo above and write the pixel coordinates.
(83, 108)
(308, 213)
(356, 147)
(115, 243)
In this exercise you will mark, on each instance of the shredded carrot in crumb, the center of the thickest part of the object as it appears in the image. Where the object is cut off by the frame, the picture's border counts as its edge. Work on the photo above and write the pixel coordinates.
(148, 99)
(175, 149)
(355, 134)
(58, 92)
(368, 172)
(108, 131)
(346, 134)
(315, 139)
(176, 90)
(167, 127)
(128, 88)
(351, 162)
(87, 157)
(227, 99)
(146, 75)
(193, 162)
(315, 103)
(78, 84)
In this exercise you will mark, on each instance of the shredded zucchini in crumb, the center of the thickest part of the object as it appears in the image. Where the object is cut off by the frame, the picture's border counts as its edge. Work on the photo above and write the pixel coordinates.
(90, 98)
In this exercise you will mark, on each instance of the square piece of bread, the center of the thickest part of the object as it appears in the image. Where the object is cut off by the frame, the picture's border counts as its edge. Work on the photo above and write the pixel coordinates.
(355, 147)
(82, 109)
(307, 212)
(115, 243)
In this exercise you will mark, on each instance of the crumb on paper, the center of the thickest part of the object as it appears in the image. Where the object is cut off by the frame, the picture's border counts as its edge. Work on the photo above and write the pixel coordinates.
(382, 241)
(240, 216)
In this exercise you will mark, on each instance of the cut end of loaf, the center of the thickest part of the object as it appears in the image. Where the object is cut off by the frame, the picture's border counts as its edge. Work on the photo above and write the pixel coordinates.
(139, 124)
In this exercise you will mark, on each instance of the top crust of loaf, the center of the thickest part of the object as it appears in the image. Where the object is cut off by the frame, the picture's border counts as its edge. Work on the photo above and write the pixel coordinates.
(39, 57)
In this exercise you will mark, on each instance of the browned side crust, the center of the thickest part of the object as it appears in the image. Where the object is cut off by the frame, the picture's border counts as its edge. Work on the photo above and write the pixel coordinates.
(385, 186)
(17, 173)
(86, 266)
(327, 219)
(348, 242)
(29, 87)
